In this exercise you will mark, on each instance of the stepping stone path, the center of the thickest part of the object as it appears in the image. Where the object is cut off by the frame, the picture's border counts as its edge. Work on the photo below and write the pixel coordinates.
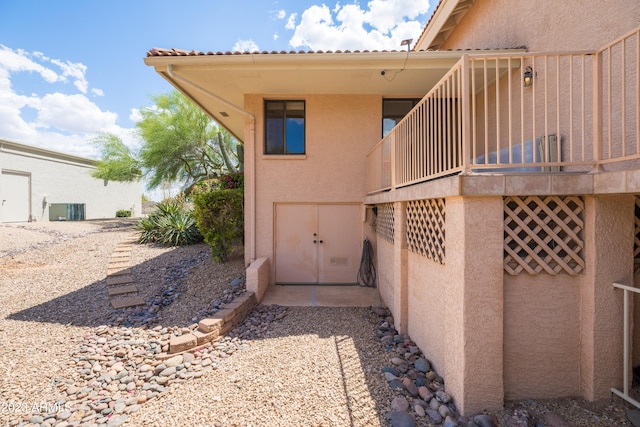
(122, 291)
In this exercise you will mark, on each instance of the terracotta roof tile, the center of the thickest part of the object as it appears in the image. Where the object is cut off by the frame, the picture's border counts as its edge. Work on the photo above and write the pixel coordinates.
(156, 51)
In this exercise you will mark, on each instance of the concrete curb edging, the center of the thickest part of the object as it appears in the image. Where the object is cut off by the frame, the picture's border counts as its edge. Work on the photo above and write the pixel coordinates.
(210, 329)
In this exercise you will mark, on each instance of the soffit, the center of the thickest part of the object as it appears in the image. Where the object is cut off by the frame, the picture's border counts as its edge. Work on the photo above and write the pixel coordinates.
(219, 82)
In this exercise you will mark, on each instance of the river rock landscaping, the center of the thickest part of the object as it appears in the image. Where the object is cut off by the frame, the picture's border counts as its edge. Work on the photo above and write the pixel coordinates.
(68, 359)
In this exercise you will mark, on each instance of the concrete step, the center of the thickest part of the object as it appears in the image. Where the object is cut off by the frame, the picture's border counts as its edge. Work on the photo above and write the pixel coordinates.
(120, 264)
(122, 279)
(125, 302)
(121, 290)
(118, 271)
(123, 249)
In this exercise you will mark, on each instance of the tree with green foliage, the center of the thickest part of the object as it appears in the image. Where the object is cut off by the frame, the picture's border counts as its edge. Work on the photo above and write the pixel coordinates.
(181, 144)
(118, 162)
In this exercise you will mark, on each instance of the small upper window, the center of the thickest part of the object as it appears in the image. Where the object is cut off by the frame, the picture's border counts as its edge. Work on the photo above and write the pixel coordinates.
(394, 110)
(284, 127)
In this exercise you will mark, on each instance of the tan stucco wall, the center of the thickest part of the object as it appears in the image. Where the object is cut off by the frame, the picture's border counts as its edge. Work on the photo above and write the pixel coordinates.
(385, 271)
(544, 25)
(340, 130)
(456, 309)
(428, 283)
(541, 336)
(609, 234)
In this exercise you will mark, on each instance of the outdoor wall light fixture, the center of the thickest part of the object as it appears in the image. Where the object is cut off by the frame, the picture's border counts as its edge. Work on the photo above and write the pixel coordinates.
(528, 77)
(407, 43)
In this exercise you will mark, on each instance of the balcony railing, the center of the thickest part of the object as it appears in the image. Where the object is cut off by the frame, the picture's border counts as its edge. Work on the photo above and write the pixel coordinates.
(576, 112)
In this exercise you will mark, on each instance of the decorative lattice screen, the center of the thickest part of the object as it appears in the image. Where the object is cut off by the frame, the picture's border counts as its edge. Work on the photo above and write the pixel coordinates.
(636, 245)
(425, 228)
(384, 221)
(543, 235)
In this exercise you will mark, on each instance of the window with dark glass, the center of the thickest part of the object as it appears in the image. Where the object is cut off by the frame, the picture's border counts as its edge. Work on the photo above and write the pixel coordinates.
(284, 127)
(394, 110)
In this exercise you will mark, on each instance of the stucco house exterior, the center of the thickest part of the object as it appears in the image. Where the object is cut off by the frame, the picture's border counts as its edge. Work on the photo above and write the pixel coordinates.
(494, 166)
(37, 184)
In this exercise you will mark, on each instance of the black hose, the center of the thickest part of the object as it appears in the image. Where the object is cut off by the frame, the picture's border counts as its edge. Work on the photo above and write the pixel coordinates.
(367, 270)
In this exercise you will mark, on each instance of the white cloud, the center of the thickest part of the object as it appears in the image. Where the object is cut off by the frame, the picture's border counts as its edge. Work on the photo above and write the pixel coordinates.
(76, 71)
(135, 115)
(276, 36)
(382, 25)
(16, 61)
(51, 115)
(281, 14)
(291, 22)
(246, 46)
(73, 113)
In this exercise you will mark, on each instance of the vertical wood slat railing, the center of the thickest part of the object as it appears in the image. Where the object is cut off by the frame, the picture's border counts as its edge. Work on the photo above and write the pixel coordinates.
(581, 111)
(624, 393)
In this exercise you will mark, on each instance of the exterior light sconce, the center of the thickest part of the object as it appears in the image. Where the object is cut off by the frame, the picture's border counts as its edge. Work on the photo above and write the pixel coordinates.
(407, 43)
(528, 76)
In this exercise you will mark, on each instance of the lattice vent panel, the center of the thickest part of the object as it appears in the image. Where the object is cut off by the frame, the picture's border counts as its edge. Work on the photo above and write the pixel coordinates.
(636, 244)
(384, 221)
(543, 235)
(426, 228)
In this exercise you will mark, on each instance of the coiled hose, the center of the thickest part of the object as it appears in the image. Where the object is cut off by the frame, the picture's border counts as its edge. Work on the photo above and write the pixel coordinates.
(367, 270)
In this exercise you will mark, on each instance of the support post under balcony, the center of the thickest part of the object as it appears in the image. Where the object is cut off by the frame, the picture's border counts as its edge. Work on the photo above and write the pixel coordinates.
(466, 114)
(597, 112)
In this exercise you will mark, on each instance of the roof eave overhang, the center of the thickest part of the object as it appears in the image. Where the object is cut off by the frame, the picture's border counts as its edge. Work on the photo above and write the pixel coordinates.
(445, 18)
(218, 83)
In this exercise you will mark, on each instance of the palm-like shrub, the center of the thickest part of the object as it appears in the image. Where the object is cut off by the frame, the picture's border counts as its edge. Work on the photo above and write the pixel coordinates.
(179, 228)
(148, 229)
(172, 224)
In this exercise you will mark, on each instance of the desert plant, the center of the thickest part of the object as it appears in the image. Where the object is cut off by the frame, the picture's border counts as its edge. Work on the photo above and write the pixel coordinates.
(179, 229)
(148, 229)
(171, 224)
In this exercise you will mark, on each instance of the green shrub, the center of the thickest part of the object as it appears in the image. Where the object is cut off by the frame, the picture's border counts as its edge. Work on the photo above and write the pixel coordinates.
(123, 213)
(220, 219)
(171, 224)
(223, 182)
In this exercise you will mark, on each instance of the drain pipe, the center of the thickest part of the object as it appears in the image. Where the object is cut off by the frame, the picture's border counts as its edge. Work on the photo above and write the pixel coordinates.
(252, 144)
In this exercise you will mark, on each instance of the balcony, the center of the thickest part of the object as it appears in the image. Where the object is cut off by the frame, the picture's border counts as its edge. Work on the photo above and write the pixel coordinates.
(561, 113)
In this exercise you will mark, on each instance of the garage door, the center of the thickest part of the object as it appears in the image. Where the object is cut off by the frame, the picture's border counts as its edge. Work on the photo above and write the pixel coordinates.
(15, 197)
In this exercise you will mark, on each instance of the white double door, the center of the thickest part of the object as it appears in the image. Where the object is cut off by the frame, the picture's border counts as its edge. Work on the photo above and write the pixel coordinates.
(317, 243)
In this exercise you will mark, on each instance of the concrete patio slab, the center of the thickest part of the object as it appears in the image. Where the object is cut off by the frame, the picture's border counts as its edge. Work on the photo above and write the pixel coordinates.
(322, 296)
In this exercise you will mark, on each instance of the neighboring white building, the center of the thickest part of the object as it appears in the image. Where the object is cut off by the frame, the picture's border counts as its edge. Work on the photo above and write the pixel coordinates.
(44, 185)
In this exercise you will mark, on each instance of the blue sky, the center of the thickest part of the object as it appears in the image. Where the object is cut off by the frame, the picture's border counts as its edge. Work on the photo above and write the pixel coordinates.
(71, 69)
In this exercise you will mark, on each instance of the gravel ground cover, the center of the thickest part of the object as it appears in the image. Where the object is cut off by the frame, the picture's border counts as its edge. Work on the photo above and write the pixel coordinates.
(312, 366)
